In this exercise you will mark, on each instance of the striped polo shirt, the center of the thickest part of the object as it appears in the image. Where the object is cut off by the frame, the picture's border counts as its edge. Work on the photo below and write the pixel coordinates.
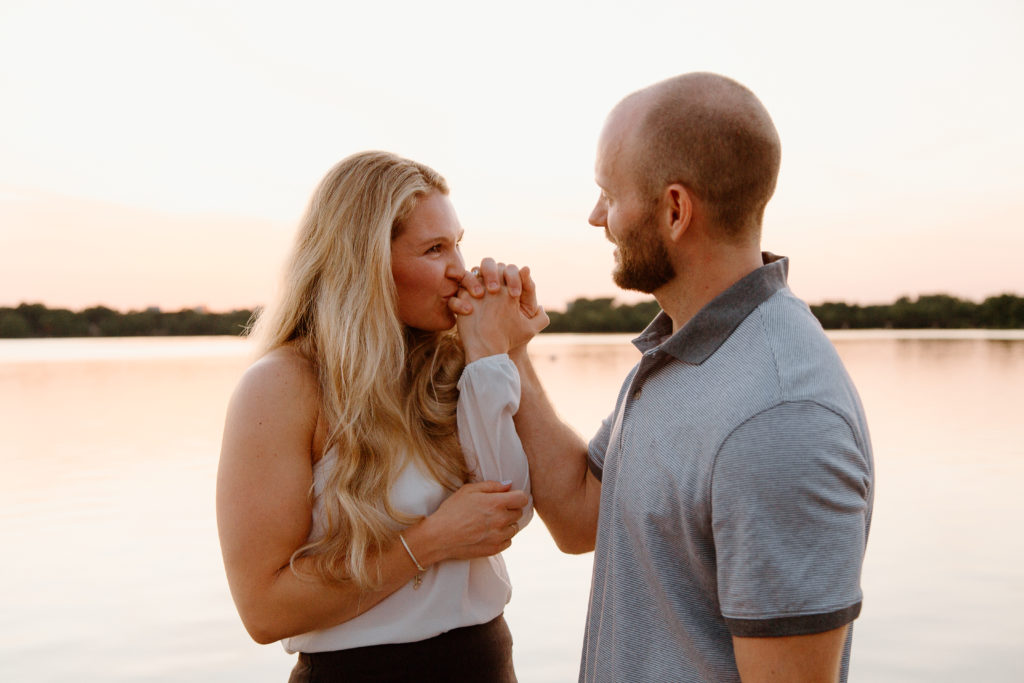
(737, 485)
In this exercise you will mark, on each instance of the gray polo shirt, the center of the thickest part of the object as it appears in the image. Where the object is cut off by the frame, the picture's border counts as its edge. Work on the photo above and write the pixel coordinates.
(737, 489)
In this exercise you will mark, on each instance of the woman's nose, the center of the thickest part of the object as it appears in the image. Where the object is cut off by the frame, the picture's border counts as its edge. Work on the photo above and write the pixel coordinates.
(456, 269)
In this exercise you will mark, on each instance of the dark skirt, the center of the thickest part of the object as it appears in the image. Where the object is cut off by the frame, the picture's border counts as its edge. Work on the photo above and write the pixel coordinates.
(473, 654)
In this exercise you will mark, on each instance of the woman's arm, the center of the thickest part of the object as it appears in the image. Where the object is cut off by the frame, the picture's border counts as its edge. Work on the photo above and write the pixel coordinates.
(264, 513)
(566, 494)
(488, 399)
(503, 318)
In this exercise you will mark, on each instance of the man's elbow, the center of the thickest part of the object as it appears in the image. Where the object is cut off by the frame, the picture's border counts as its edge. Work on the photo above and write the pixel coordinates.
(576, 541)
(574, 547)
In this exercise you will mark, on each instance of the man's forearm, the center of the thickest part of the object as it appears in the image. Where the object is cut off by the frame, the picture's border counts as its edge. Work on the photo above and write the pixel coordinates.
(565, 494)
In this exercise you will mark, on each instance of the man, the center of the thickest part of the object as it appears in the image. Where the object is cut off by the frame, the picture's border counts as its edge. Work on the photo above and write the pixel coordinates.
(729, 493)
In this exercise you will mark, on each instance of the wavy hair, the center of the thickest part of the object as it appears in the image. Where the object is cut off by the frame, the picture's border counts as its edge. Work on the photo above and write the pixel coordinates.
(387, 392)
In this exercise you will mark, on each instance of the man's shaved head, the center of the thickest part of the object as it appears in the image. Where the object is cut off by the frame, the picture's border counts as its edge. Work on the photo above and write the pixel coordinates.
(710, 134)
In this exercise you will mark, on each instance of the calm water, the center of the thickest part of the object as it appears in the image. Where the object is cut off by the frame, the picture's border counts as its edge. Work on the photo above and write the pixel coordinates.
(111, 569)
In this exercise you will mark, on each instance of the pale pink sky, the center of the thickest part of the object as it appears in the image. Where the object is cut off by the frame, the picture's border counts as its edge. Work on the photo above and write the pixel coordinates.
(161, 153)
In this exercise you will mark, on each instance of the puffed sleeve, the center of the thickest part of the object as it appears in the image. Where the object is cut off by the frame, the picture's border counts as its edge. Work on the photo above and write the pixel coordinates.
(489, 391)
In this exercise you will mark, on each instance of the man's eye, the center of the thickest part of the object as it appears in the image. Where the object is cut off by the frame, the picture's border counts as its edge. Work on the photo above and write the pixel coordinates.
(434, 249)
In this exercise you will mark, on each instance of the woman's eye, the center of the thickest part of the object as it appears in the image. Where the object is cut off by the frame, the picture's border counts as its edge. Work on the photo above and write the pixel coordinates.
(434, 249)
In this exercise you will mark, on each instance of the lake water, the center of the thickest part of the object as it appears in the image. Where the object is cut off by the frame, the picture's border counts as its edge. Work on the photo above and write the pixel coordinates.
(111, 569)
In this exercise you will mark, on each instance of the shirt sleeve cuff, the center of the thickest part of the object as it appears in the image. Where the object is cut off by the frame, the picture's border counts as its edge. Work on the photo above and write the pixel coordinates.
(792, 626)
(497, 359)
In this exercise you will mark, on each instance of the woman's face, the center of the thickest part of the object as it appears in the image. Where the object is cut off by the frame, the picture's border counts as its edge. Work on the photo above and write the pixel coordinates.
(427, 264)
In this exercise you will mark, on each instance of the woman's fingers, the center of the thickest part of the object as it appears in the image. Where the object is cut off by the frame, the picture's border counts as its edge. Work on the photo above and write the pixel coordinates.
(500, 495)
(482, 518)
(492, 274)
(528, 298)
(488, 486)
(539, 320)
(502, 330)
(462, 303)
(472, 283)
(513, 280)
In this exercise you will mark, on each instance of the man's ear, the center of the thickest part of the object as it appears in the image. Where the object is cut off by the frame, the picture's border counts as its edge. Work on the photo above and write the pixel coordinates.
(679, 210)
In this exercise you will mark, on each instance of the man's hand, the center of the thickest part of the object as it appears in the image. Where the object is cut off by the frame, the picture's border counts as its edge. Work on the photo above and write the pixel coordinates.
(489, 277)
(504, 314)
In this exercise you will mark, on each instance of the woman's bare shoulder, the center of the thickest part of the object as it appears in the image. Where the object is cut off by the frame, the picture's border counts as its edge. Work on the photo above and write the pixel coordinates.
(281, 378)
(283, 360)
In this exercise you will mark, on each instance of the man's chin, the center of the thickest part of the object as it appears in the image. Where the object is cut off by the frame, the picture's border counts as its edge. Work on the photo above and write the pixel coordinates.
(628, 281)
(623, 281)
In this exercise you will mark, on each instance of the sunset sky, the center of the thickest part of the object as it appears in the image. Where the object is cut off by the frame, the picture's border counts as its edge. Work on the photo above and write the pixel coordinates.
(161, 153)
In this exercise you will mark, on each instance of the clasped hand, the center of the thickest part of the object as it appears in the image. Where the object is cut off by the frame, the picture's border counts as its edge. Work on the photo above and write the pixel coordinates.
(497, 309)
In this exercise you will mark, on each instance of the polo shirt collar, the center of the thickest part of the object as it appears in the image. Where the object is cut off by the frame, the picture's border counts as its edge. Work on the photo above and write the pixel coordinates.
(708, 330)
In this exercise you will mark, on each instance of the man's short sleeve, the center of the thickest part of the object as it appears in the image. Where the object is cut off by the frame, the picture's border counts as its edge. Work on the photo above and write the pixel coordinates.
(598, 446)
(790, 504)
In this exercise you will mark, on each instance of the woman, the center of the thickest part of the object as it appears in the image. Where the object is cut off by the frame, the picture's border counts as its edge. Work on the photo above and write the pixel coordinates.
(352, 525)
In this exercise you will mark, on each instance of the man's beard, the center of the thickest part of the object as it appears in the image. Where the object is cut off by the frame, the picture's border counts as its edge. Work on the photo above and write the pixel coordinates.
(643, 263)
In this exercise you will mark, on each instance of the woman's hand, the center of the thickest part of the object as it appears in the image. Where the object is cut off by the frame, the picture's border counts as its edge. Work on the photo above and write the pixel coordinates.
(478, 520)
(506, 314)
(489, 276)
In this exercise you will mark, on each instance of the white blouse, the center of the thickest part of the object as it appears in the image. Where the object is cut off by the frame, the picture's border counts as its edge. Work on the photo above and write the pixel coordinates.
(454, 593)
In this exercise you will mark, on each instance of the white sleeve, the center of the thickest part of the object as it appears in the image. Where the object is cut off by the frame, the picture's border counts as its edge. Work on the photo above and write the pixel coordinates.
(488, 398)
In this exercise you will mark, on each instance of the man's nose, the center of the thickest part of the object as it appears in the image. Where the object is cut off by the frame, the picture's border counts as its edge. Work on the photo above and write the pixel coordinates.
(599, 215)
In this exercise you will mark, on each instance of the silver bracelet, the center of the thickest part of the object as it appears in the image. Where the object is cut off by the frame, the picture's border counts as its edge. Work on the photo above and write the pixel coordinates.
(418, 579)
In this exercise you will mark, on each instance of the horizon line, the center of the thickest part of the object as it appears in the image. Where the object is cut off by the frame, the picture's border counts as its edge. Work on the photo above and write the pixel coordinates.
(203, 308)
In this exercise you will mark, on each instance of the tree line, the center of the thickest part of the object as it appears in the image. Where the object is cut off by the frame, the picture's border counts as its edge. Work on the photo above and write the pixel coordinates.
(36, 320)
(941, 311)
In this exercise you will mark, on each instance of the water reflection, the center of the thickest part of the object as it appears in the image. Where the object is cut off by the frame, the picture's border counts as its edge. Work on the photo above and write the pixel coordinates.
(108, 454)
(943, 571)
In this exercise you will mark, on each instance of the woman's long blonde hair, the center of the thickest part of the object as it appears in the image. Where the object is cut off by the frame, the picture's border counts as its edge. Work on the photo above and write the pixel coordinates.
(387, 392)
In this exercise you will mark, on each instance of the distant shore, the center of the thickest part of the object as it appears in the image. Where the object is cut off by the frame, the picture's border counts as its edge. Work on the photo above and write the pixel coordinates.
(934, 311)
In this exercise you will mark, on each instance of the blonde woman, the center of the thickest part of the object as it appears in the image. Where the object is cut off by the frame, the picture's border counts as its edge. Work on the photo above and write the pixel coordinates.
(355, 526)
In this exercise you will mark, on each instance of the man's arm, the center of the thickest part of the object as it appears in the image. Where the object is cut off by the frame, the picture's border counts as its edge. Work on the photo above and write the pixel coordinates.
(566, 494)
(793, 659)
(790, 525)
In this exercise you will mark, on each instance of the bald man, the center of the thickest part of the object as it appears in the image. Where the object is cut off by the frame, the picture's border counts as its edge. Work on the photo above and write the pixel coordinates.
(728, 495)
